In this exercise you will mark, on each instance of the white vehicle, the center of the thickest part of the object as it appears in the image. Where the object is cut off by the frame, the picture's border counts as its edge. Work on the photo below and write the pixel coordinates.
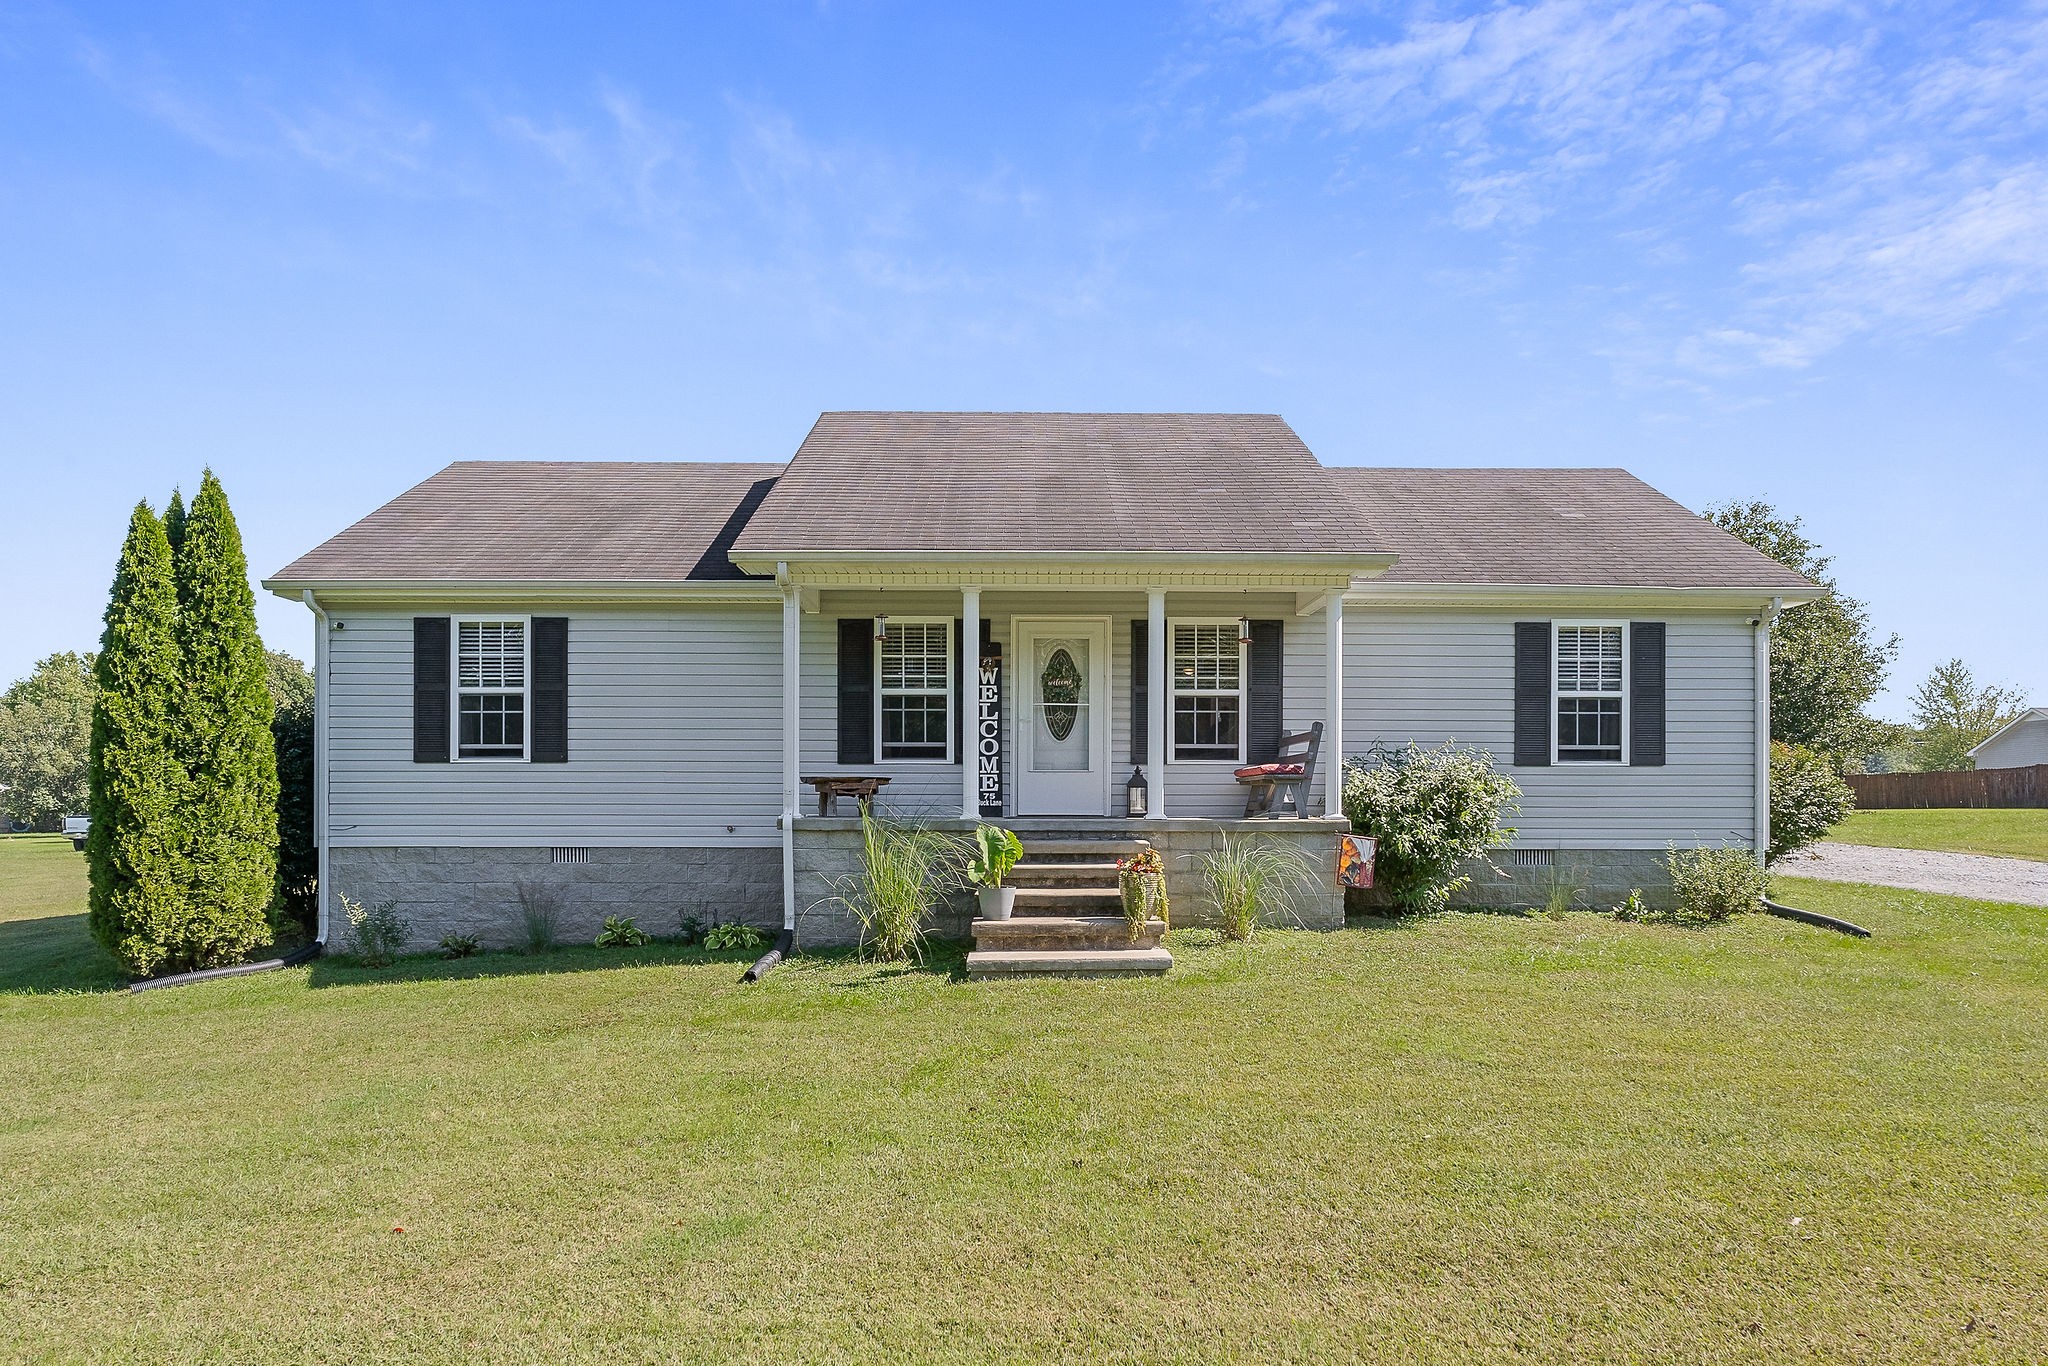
(77, 827)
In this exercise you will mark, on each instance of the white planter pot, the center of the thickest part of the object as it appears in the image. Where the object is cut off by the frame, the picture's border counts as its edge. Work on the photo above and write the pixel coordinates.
(996, 902)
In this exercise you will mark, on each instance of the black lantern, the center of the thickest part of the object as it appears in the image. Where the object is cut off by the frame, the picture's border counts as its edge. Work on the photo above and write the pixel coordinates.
(1135, 795)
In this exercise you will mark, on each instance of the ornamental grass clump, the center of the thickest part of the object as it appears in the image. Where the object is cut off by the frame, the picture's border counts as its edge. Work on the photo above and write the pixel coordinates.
(906, 871)
(1430, 811)
(1251, 882)
(540, 908)
(376, 934)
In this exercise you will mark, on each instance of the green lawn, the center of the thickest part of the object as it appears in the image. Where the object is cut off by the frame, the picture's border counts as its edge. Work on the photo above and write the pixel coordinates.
(2020, 833)
(1477, 1137)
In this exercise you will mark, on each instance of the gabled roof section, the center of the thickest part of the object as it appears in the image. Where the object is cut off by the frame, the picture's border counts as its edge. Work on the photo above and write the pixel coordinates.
(889, 483)
(521, 521)
(1596, 528)
(2030, 714)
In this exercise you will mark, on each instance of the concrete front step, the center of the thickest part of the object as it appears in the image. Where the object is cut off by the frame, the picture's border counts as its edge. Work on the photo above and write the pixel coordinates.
(1038, 850)
(1073, 962)
(1102, 874)
(1066, 932)
(1068, 900)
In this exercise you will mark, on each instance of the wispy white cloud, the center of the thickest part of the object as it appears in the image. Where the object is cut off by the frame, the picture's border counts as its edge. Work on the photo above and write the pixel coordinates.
(1868, 169)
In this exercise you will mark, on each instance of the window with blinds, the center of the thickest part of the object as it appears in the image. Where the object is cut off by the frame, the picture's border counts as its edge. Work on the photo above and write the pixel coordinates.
(490, 688)
(1590, 684)
(914, 699)
(1208, 691)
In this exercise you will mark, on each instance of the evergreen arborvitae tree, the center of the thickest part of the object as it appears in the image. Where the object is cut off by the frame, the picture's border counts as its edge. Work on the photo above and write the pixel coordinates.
(135, 851)
(174, 522)
(223, 723)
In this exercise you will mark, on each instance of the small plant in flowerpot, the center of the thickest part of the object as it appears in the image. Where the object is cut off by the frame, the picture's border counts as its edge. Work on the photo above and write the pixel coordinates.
(995, 852)
(1141, 879)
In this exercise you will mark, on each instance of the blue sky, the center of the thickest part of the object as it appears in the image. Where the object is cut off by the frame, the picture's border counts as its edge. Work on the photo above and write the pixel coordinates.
(1798, 253)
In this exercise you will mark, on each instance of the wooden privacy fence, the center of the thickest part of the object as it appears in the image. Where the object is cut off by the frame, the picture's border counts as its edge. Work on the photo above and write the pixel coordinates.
(1978, 787)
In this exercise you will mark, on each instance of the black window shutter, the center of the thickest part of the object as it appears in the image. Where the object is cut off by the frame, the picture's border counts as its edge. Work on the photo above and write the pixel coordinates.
(550, 719)
(1646, 694)
(1141, 696)
(960, 687)
(856, 690)
(1264, 702)
(1532, 694)
(430, 690)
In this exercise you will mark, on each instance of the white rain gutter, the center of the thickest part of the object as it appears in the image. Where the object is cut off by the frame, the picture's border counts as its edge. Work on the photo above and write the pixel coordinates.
(1765, 620)
(321, 669)
(792, 683)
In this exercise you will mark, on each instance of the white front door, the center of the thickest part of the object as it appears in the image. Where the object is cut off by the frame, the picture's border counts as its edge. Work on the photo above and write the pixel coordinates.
(1062, 717)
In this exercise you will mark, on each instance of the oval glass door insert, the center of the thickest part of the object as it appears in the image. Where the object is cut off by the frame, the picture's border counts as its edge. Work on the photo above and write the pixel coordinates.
(1059, 688)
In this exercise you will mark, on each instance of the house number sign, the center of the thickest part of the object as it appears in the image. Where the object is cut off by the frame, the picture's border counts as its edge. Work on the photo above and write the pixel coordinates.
(988, 731)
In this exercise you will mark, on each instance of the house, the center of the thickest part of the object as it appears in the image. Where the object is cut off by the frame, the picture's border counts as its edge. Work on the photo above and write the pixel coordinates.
(635, 669)
(2019, 743)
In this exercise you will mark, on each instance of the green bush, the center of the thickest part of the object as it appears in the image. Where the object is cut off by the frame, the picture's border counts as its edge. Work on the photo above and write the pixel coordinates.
(620, 932)
(1808, 798)
(291, 733)
(1430, 811)
(1251, 882)
(734, 936)
(1715, 884)
(376, 934)
(458, 946)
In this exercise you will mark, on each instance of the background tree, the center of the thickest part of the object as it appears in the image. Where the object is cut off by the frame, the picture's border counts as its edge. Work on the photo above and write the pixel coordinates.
(291, 730)
(135, 853)
(1826, 664)
(45, 739)
(1953, 714)
(224, 716)
(174, 522)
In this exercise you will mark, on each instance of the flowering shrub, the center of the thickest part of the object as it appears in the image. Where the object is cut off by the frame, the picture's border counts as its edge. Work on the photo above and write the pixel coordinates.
(1430, 810)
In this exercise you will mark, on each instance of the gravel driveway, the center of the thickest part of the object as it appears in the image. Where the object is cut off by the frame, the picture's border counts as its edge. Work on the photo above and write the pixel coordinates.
(1920, 870)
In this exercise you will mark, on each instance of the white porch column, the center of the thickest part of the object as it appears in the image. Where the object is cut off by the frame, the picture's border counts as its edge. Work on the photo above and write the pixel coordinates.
(1159, 691)
(970, 692)
(792, 636)
(1333, 704)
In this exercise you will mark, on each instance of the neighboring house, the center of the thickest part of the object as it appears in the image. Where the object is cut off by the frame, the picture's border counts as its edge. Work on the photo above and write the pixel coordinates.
(2018, 743)
(632, 667)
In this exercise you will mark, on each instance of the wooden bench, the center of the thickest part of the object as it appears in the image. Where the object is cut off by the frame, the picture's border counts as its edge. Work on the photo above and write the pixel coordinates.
(1292, 770)
(832, 786)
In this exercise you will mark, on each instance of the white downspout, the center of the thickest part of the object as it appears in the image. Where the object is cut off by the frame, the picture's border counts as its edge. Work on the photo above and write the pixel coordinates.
(1765, 620)
(792, 634)
(321, 669)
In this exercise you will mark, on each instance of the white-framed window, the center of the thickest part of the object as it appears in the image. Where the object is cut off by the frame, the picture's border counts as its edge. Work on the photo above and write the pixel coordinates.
(491, 668)
(1208, 666)
(1590, 667)
(914, 689)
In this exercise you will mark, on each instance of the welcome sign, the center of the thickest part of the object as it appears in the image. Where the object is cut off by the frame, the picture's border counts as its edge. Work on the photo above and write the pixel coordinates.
(988, 731)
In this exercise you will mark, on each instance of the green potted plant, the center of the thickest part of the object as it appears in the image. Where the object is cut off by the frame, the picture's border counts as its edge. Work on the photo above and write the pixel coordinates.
(995, 852)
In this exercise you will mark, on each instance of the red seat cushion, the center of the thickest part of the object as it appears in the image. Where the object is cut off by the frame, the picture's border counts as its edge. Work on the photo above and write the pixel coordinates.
(1272, 771)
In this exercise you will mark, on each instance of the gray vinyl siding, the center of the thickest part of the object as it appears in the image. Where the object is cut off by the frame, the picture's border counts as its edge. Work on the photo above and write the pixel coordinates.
(2025, 744)
(933, 789)
(1439, 674)
(674, 737)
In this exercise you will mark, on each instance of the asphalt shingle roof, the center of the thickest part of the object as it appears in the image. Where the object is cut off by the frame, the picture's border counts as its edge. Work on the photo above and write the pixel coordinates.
(1232, 483)
(519, 520)
(1567, 527)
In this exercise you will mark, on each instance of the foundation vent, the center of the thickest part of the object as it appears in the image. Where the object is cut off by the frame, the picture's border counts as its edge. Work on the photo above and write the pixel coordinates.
(1535, 858)
(572, 855)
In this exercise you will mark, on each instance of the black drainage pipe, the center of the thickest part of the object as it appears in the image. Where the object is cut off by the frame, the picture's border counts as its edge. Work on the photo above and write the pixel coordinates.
(770, 958)
(1826, 922)
(305, 953)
